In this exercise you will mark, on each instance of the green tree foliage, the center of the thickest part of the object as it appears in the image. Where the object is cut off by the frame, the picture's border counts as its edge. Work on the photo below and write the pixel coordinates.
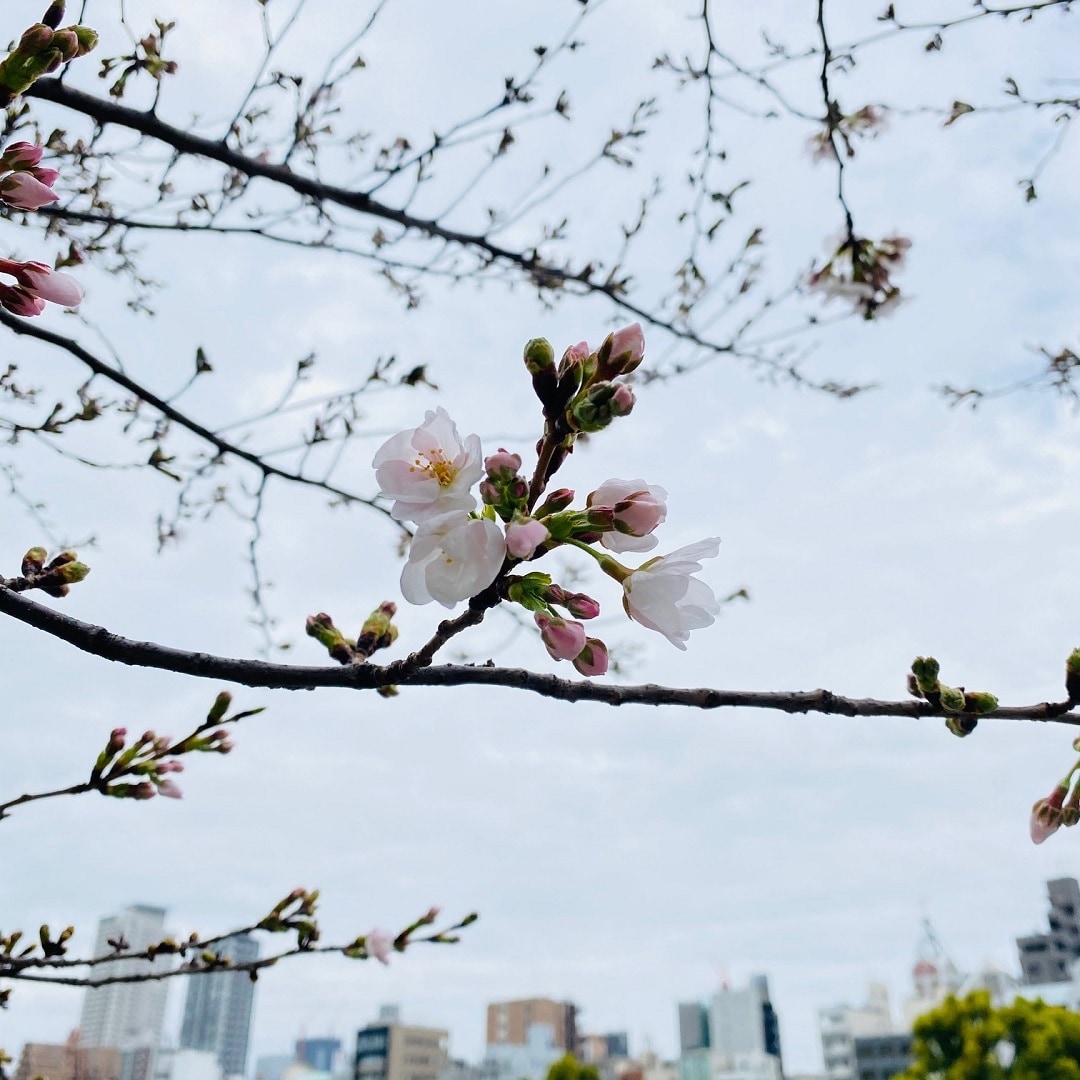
(569, 1068)
(968, 1039)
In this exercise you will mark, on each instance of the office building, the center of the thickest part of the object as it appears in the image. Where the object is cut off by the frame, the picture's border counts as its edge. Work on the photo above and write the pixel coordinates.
(390, 1050)
(841, 1025)
(128, 1016)
(741, 1033)
(693, 1026)
(320, 1054)
(68, 1062)
(1046, 958)
(524, 1038)
(881, 1057)
(217, 1011)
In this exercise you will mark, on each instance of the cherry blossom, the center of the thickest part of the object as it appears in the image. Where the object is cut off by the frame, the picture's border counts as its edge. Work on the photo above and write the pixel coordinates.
(378, 944)
(452, 557)
(428, 470)
(637, 509)
(663, 595)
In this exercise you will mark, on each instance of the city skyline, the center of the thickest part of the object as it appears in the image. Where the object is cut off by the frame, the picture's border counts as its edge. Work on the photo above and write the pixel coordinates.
(711, 1023)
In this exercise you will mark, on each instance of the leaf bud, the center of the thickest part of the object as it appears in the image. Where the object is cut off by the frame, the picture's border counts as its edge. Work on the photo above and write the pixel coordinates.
(961, 725)
(539, 357)
(952, 698)
(926, 670)
(979, 701)
(33, 561)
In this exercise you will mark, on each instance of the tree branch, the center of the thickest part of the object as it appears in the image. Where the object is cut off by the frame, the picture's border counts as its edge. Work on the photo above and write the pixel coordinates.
(99, 641)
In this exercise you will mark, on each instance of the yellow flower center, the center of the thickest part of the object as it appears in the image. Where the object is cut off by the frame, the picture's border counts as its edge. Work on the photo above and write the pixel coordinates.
(437, 466)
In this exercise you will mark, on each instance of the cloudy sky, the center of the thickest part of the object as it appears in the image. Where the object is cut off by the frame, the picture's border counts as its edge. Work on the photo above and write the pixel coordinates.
(625, 859)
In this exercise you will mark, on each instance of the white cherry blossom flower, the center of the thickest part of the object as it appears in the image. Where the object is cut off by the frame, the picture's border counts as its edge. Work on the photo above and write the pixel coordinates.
(428, 470)
(663, 595)
(452, 557)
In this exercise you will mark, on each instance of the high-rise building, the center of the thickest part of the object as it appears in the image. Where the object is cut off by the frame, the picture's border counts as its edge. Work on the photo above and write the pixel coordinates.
(742, 1036)
(217, 1012)
(388, 1050)
(128, 1016)
(320, 1054)
(693, 1026)
(841, 1025)
(1046, 958)
(524, 1038)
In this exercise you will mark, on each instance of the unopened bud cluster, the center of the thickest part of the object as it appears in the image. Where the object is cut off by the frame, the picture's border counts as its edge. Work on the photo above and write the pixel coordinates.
(41, 50)
(1062, 805)
(377, 632)
(144, 768)
(54, 576)
(964, 707)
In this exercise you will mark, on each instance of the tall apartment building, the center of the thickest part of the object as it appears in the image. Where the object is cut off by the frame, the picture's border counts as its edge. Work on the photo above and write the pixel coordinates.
(693, 1026)
(841, 1025)
(525, 1037)
(1046, 958)
(217, 1011)
(128, 1016)
(388, 1050)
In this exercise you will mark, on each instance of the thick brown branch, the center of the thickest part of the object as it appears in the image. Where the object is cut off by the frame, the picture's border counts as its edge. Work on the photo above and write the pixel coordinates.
(98, 641)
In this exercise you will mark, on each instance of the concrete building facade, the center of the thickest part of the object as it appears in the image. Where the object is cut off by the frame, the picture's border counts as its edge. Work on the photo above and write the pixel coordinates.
(524, 1038)
(394, 1051)
(1046, 958)
(71, 1061)
(841, 1025)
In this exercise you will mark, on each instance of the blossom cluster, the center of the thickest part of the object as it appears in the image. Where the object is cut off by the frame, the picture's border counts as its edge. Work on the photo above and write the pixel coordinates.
(26, 185)
(463, 546)
(859, 272)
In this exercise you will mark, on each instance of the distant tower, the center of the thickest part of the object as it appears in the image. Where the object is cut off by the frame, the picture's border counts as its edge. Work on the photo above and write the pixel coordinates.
(217, 1012)
(128, 1016)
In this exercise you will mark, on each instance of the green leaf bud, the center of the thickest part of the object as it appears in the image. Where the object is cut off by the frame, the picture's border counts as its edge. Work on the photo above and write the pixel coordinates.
(979, 701)
(952, 698)
(926, 670)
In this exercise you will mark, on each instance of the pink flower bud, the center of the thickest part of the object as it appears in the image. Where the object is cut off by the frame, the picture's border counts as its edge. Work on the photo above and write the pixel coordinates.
(116, 741)
(26, 192)
(627, 348)
(169, 790)
(57, 288)
(47, 176)
(502, 465)
(563, 638)
(21, 155)
(20, 302)
(622, 400)
(575, 355)
(145, 790)
(581, 606)
(1046, 815)
(593, 659)
(524, 536)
